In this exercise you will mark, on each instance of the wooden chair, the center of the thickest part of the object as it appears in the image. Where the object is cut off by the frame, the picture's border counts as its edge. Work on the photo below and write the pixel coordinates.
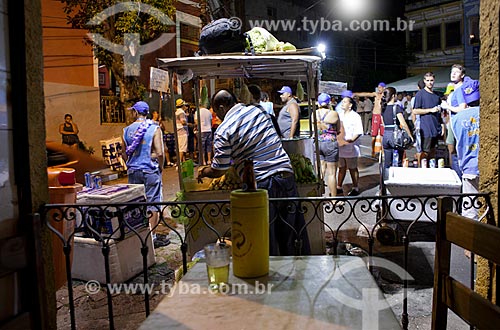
(481, 239)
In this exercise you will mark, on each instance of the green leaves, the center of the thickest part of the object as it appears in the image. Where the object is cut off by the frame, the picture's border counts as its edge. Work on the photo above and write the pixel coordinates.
(112, 21)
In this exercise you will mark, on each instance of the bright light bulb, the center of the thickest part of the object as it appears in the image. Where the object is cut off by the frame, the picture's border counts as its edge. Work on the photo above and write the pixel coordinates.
(353, 8)
(321, 48)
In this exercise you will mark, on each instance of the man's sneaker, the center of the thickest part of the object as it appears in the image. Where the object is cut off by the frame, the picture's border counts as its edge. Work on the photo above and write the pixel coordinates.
(161, 240)
(353, 192)
(340, 192)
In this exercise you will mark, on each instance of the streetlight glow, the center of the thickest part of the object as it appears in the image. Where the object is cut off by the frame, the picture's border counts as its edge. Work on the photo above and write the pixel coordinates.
(354, 8)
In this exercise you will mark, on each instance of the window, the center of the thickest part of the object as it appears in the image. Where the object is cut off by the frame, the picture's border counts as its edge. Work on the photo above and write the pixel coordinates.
(416, 40)
(453, 34)
(189, 32)
(474, 30)
(272, 12)
(102, 78)
(434, 37)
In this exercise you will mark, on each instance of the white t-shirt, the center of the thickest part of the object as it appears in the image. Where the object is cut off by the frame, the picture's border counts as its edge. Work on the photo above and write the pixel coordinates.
(353, 126)
(179, 115)
(205, 120)
(268, 106)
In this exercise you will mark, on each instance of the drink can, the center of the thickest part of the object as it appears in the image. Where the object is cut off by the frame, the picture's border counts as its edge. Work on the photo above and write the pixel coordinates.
(406, 162)
(423, 163)
(415, 163)
(432, 163)
(88, 180)
(441, 162)
(97, 182)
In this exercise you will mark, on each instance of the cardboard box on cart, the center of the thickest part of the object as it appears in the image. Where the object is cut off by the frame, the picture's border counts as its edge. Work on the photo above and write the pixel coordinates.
(107, 223)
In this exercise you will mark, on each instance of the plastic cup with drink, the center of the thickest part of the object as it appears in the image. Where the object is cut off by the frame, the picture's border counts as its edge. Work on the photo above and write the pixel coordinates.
(217, 256)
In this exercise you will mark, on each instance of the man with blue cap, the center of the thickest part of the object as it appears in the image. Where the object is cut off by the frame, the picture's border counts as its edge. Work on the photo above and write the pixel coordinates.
(465, 127)
(454, 103)
(288, 118)
(144, 157)
(377, 123)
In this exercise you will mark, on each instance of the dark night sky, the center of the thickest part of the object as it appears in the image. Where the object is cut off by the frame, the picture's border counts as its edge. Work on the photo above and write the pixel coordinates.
(365, 58)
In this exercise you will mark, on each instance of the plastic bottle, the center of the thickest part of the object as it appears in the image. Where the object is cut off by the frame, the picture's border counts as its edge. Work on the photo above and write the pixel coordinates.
(248, 177)
(395, 158)
(423, 163)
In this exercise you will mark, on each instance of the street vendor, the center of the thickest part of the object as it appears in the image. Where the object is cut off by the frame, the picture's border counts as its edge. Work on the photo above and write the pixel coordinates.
(247, 133)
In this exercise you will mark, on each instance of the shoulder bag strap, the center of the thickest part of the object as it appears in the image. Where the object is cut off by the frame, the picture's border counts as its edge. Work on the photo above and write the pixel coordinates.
(272, 118)
(394, 119)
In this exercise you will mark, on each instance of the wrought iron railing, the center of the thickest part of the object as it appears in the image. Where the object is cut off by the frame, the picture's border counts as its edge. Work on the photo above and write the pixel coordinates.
(112, 110)
(366, 223)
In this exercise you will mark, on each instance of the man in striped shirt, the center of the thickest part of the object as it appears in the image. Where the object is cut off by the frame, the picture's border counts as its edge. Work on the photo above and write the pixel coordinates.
(246, 132)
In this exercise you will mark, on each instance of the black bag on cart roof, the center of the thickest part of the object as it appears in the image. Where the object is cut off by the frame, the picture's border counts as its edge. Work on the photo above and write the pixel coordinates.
(223, 36)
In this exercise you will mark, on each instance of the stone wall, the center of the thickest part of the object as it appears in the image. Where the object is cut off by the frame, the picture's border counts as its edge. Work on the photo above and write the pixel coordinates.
(490, 104)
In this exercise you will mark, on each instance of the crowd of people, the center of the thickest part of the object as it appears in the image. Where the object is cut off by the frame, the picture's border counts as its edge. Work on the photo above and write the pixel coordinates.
(426, 116)
(234, 131)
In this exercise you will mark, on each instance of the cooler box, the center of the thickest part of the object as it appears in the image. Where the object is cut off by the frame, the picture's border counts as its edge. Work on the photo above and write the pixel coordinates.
(125, 258)
(109, 223)
(408, 181)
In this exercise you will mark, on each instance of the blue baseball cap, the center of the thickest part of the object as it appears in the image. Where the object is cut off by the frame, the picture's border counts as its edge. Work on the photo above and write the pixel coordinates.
(285, 89)
(381, 84)
(141, 107)
(470, 88)
(324, 98)
(347, 93)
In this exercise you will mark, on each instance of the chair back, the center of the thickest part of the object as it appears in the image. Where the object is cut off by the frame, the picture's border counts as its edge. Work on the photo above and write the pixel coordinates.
(479, 238)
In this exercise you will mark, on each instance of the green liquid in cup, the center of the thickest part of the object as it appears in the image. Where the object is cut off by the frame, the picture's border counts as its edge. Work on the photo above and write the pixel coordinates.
(217, 276)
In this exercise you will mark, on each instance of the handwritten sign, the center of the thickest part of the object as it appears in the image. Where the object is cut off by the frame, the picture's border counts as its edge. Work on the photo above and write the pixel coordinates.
(158, 80)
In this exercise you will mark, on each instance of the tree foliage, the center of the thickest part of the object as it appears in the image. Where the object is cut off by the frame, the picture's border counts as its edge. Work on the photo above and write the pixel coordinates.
(79, 13)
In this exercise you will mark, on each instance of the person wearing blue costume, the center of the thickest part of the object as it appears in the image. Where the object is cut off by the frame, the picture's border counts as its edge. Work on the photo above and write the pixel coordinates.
(454, 103)
(465, 127)
(144, 158)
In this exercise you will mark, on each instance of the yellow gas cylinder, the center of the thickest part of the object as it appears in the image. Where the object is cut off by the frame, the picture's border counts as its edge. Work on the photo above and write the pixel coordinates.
(250, 233)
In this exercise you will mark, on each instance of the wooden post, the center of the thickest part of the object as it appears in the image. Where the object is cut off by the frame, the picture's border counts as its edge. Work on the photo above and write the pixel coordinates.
(441, 264)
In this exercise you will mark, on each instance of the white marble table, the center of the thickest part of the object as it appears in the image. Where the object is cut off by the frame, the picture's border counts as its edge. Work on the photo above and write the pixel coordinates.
(313, 292)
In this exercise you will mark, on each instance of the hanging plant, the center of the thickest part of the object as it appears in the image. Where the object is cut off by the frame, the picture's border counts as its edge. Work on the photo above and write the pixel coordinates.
(300, 91)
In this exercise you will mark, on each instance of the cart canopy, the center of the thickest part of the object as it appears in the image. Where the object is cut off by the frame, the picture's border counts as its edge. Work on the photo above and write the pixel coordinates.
(288, 67)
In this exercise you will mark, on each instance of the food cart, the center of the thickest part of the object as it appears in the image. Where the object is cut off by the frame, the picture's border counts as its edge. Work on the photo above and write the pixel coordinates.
(299, 66)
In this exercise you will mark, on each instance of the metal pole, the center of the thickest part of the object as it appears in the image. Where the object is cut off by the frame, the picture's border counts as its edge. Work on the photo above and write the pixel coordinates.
(201, 156)
(159, 105)
(172, 105)
(311, 91)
